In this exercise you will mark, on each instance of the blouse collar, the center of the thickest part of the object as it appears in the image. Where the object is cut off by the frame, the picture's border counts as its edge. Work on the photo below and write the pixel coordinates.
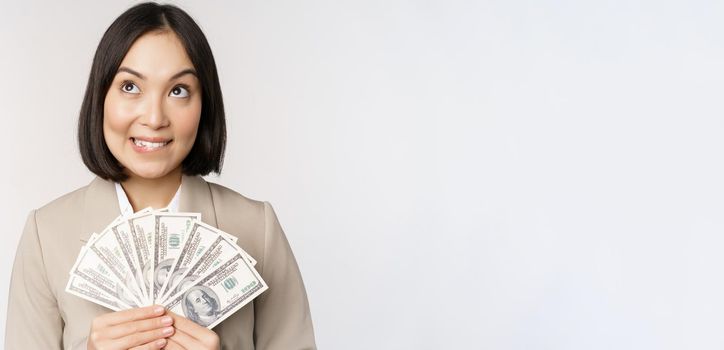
(125, 205)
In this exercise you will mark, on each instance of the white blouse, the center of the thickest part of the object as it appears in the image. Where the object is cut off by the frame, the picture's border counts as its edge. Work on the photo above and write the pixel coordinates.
(127, 209)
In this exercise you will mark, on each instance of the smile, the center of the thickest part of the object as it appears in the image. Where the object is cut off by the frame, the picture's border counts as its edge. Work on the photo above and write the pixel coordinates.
(149, 145)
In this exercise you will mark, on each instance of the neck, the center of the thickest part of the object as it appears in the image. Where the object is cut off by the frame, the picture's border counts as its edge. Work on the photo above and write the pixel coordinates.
(156, 193)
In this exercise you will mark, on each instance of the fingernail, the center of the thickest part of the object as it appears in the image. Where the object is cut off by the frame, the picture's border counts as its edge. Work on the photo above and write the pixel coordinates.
(160, 342)
(167, 331)
(166, 320)
(158, 309)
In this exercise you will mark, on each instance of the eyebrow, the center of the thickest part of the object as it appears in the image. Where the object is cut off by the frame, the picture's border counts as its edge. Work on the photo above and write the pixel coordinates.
(143, 77)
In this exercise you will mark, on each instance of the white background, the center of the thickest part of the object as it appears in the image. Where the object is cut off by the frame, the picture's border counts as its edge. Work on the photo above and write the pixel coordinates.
(450, 174)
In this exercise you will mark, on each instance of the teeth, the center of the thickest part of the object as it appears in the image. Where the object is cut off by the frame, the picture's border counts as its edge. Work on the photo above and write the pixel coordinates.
(149, 145)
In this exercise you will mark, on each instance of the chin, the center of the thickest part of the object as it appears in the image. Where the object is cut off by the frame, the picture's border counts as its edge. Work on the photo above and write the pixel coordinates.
(150, 172)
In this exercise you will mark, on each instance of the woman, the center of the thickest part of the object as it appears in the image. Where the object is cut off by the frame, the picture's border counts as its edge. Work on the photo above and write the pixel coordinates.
(152, 122)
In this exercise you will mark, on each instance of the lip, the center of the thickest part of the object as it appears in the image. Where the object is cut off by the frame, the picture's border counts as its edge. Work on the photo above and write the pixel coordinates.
(149, 139)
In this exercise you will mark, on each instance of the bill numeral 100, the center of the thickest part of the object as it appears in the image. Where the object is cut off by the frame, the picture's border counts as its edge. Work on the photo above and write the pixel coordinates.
(230, 283)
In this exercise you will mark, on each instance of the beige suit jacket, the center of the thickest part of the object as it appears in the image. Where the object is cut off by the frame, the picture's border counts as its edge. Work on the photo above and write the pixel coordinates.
(41, 315)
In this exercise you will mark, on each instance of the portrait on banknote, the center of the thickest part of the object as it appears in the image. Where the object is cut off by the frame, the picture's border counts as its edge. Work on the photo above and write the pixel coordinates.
(161, 273)
(201, 305)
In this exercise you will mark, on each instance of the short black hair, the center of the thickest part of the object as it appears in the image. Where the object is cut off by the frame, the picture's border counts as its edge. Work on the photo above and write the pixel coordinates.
(207, 153)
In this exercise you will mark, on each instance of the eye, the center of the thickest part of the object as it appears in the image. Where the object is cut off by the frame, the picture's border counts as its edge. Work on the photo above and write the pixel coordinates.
(128, 87)
(180, 91)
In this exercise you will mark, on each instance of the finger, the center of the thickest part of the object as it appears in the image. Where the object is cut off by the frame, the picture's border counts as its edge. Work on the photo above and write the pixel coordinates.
(158, 344)
(172, 345)
(185, 324)
(137, 339)
(124, 316)
(200, 333)
(124, 329)
(186, 340)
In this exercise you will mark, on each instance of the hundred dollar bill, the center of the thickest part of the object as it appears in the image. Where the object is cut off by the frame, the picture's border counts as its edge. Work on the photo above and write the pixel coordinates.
(80, 287)
(114, 249)
(130, 245)
(198, 240)
(170, 232)
(197, 243)
(94, 270)
(218, 252)
(219, 293)
(142, 227)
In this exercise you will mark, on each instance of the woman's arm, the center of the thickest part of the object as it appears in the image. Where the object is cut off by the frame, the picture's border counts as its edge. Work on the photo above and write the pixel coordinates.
(33, 320)
(282, 317)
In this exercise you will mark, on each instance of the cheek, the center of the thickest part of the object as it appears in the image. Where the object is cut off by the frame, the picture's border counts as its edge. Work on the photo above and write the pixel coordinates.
(187, 123)
(117, 118)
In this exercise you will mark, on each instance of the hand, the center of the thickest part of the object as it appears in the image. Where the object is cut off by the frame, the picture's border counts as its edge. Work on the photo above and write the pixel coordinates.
(190, 336)
(138, 329)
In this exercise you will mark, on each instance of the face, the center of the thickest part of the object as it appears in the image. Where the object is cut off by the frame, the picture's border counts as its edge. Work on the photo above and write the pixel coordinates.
(162, 275)
(153, 107)
(200, 303)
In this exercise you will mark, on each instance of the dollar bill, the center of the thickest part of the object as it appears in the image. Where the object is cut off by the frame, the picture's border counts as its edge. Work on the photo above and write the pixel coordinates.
(130, 247)
(198, 241)
(197, 244)
(112, 248)
(94, 270)
(81, 287)
(219, 251)
(219, 293)
(142, 227)
(170, 234)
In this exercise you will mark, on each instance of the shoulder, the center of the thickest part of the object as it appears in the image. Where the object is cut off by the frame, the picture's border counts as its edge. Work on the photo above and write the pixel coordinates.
(59, 210)
(76, 214)
(227, 199)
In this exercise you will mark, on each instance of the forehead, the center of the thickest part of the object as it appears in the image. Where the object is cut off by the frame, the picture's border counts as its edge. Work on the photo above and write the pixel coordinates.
(157, 55)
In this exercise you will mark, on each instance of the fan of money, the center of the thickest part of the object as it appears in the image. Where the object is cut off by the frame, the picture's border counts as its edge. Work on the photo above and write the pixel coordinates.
(170, 259)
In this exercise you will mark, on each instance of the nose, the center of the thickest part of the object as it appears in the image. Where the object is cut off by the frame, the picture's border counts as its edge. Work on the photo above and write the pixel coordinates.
(155, 114)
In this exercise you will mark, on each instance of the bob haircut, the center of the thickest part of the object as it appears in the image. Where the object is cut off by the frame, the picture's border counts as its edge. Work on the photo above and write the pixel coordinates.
(207, 153)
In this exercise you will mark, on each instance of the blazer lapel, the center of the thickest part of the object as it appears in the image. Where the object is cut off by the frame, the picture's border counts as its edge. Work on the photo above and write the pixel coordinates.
(196, 198)
(101, 207)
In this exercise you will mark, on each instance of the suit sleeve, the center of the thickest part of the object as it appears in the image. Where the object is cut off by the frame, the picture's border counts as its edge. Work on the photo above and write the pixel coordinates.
(282, 317)
(33, 320)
